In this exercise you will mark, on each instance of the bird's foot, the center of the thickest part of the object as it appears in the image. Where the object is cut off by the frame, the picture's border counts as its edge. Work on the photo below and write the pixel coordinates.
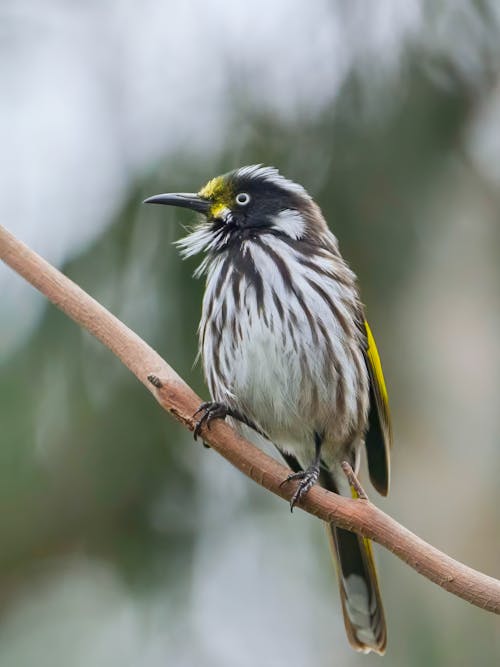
(210, 410)
(213, 410)
(307, 478)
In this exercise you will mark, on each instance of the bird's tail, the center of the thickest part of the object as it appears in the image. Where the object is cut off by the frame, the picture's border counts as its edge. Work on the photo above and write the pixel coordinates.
(359, 591)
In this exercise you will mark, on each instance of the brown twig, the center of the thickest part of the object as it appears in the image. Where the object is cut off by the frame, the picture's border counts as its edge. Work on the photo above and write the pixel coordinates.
(353, 480)
(175, 396)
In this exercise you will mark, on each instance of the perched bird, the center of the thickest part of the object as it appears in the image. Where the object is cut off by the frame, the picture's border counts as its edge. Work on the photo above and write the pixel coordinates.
(286, 350)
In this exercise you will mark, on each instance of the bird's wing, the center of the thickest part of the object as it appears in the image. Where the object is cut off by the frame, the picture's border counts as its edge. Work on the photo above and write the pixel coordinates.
(379, 435)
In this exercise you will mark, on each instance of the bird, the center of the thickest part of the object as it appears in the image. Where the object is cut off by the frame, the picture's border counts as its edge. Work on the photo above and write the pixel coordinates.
(287, 350)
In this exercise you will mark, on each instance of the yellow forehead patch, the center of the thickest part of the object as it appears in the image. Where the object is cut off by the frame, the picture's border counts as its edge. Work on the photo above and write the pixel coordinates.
(214, 188)
(219, 192)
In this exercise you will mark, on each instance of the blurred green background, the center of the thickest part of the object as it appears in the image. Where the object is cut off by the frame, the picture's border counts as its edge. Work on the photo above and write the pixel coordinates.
(122, 541)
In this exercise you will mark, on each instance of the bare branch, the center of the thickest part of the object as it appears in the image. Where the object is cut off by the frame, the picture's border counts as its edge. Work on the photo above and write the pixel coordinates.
(175, 396)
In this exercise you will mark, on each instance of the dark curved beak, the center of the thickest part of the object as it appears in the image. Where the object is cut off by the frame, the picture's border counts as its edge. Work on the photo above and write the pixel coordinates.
(182, 199)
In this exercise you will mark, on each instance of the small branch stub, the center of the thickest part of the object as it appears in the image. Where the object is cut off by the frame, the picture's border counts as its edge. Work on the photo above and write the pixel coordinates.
(353, 480)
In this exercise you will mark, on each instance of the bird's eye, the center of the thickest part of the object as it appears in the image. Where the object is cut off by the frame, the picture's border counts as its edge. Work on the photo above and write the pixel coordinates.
(242, 198)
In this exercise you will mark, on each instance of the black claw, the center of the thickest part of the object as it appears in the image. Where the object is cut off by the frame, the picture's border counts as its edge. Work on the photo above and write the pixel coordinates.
(203, 406)
(213, 410)
(307, 479)
(210, 411)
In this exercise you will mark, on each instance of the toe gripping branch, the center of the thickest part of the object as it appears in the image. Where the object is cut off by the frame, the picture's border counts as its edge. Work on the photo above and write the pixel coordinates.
(212, 410)
(310, 476)
(307, 478)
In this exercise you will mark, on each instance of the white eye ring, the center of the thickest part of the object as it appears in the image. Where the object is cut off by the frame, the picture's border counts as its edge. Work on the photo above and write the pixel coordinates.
(242, 198)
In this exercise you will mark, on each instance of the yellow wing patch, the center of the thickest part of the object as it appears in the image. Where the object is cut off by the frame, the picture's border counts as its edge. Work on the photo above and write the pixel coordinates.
(378, 439)
(376, 365)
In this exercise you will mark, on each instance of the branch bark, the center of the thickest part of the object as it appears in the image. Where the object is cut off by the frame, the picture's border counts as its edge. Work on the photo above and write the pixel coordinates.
(176, 397)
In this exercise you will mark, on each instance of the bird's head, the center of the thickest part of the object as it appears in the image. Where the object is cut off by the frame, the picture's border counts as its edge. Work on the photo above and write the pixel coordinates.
(243, 204)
